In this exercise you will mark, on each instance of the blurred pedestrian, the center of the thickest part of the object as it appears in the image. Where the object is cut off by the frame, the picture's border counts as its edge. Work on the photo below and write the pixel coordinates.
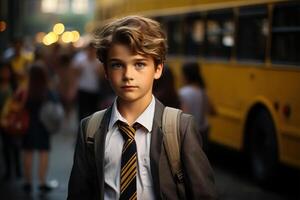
(10, 143)
(52, 58)
(194, 99)
(164, 89)
(67, 82)
(107, 95)
(20, 61)
(89, 68)
(37, 137)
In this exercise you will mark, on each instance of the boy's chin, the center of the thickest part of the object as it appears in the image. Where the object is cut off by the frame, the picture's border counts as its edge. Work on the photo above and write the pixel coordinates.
(131, 98)
(127, 99)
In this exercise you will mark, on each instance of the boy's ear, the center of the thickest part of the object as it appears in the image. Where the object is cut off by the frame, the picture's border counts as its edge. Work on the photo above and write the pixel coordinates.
(158, 71)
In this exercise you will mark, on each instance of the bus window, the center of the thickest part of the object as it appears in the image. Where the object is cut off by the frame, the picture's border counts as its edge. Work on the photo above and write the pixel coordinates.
(252, 34)
(174, 35)
(159, 19)
(194, 31)
(219, 35)
(285, 34)
(163, 23)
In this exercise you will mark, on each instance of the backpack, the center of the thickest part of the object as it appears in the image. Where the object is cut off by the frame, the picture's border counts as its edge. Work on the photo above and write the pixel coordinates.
(52, 115)
(15, 118)
(170, 126)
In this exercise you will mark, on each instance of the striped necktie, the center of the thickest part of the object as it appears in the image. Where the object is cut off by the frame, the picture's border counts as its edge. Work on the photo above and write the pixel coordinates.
(128, 163)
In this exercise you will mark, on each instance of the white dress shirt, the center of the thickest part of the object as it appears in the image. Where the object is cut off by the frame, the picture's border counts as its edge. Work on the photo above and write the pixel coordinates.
(89, 76)
(195, 101)
(113, 152)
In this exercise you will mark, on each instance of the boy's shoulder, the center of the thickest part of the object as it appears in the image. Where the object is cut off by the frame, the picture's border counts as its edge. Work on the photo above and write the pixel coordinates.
(90, 123)
(98, 115)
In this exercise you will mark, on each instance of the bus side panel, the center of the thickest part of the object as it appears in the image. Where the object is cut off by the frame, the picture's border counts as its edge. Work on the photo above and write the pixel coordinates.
(233, 89)
(224, 88)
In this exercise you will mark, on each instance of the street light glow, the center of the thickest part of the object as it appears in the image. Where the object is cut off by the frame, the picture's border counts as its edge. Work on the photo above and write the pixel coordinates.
(67, 37)
(58, 28)
(50, 38)
(76, 36)
(2, 26)
(39, 37)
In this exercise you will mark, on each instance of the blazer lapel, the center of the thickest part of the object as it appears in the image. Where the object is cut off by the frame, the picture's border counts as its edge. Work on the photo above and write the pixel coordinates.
(156, 147)
(99, 149)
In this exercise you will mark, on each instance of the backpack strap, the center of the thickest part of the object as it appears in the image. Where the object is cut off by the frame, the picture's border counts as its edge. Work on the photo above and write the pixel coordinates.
(93, 124)
(170, 126)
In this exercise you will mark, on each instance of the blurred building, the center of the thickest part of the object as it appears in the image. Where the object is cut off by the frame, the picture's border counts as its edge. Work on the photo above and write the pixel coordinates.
(25, 18)
(9, 20)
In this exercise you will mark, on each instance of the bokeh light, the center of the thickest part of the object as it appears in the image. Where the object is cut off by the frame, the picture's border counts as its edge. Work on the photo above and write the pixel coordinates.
(58, 28)
(50, 38)
(76, 36)
(2, 26)
(67, 37)
(39, 37)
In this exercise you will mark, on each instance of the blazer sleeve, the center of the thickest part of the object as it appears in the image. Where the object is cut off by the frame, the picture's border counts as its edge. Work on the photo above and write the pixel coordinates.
(80, 182)
(198, 174)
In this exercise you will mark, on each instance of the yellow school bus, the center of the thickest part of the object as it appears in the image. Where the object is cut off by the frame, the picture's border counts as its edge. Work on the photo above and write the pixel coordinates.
(249, 52)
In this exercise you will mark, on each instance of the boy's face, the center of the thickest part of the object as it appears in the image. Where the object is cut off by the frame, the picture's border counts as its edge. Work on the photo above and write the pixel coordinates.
(131, 75)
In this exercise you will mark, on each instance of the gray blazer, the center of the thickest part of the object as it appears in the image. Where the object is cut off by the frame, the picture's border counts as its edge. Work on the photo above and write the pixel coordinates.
(87, 176)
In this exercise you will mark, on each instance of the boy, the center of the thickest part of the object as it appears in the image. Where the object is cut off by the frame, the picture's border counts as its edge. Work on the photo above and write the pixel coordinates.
(127, 159)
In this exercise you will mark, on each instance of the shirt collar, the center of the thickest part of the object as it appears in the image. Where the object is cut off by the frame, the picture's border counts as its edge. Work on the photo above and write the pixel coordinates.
(145, 119)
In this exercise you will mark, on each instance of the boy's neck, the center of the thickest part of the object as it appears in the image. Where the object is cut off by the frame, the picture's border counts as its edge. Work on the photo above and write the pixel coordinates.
(132, 110)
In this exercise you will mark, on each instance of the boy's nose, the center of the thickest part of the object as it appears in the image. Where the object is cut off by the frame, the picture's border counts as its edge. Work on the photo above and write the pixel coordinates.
(128, 73)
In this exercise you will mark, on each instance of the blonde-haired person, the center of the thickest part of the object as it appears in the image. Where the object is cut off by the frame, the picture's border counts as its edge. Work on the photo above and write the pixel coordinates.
(132, 50)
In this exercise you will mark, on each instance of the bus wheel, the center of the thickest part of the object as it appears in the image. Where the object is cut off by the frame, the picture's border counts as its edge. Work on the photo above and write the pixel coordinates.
(263, 148)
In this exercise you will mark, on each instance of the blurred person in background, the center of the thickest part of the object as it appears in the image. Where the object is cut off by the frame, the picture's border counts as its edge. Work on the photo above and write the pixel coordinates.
(194, 99)
(67, 84)
(20, 61)
(10, 143)
(89, 72)
(37, 138)
(40, 56)
(52, 58)
(164, 89)
(107, 96)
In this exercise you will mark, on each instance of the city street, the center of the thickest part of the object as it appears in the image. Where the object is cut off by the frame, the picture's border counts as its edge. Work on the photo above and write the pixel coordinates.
(61, 158)
(233, 65)
(232, 179)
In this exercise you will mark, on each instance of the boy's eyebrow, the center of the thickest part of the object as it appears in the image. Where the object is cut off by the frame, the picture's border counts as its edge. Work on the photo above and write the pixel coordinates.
(119, 60)
(140, 59)
(114, 59)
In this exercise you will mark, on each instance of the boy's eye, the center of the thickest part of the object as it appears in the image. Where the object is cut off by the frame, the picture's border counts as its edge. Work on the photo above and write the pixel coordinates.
(140, 65)
(116, 65)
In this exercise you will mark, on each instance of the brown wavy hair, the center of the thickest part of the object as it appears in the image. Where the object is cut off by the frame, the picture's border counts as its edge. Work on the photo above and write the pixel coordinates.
(141, 35)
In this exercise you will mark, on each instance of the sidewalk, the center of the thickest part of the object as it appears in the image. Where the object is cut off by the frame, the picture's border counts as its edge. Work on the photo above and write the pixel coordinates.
(60, 164)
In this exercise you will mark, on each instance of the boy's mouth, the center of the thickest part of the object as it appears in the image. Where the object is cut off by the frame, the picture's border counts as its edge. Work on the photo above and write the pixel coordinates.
(129, 87)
